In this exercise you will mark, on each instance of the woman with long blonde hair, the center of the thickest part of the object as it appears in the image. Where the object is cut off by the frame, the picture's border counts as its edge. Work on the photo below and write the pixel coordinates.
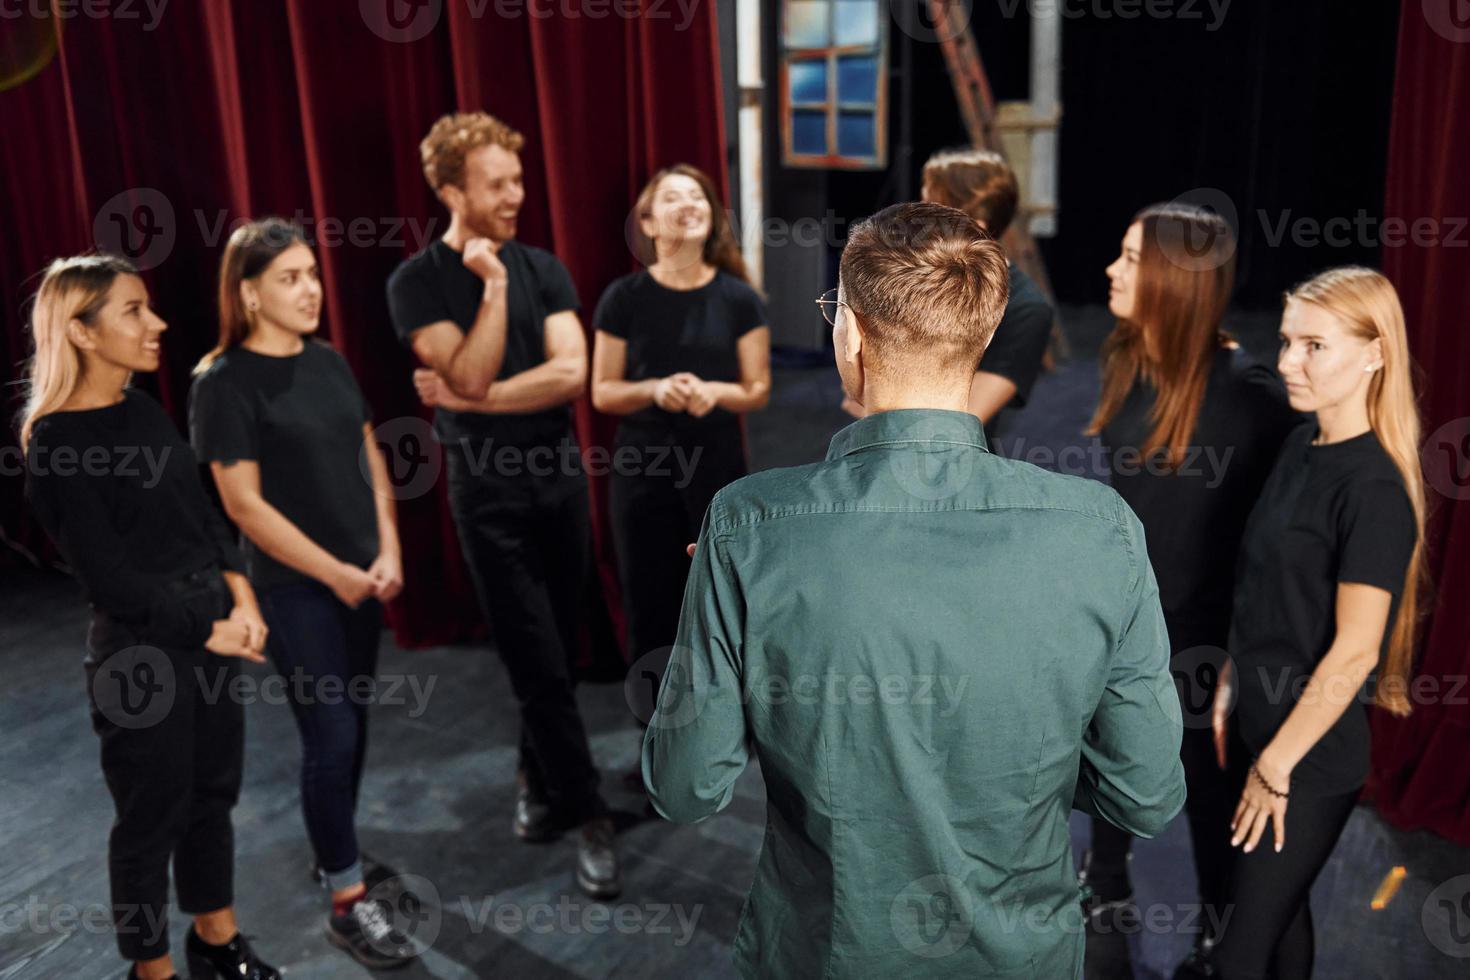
(1191, 425)
(118, 490)
(1330, 575)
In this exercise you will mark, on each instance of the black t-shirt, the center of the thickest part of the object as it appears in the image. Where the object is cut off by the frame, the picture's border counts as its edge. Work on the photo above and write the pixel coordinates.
(434, 286)
(1328, 514)
(300, 418)
(1016, 351)
(672, 330)
(119, 491)
(1194, 516)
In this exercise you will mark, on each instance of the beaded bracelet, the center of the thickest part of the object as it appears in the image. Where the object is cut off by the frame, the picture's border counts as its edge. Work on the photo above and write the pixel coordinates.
(1268, 787)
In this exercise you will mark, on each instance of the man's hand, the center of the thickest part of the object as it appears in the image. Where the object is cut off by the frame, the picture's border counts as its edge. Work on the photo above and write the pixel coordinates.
(480, 258)
(231, 638)
(435, 392)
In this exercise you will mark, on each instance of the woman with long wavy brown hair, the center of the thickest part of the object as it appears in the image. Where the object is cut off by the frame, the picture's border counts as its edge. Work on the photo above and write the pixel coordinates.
(1191, 425)
(682, 350)
(1331, 571)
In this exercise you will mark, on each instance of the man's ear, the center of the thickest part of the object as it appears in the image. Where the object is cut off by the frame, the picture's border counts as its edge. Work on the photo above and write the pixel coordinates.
(452, 197)
(852, 338)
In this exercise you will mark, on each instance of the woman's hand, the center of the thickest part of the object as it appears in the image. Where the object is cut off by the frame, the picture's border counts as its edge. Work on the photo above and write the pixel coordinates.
(386, 571)
(1220, 713)
(672, 393)
(352, 585)
(1259, 806)
(703, 398)
(231, 638)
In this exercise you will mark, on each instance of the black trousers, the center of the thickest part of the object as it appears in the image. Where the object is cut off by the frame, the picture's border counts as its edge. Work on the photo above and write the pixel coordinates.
(1209, 803)
(656, 511)
(1269, 932)
(527, 543)
(173, 741)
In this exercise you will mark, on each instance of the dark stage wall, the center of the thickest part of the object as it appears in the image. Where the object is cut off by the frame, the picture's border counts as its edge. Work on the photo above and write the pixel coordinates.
(229, 109)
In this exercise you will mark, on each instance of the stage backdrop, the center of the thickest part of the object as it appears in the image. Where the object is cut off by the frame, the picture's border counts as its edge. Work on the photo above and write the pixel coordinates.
(1421, 774)
(152, 137)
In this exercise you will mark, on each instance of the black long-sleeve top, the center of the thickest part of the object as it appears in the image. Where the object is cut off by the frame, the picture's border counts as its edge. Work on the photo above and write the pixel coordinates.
(118, 490)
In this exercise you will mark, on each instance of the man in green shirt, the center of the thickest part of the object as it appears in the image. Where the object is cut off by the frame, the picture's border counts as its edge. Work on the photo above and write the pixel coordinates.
(935, 652)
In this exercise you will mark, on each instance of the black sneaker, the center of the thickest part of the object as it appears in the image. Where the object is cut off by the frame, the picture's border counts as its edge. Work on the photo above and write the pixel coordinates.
(534, 820)
(367, 935)
(1198, 965)
(599, 873)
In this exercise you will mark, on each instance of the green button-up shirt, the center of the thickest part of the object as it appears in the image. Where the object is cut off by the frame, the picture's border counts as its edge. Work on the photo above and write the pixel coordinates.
(936, 654)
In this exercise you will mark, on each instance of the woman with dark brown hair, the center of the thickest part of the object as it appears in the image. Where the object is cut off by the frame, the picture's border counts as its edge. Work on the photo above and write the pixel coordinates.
(1192, 426)
(682, 350)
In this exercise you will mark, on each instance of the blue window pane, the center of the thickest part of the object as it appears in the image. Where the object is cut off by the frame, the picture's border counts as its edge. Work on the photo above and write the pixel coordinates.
(856, 21)
(857, 134)
(809, 133)
(806, 23)
(808, 82)
(857, 79)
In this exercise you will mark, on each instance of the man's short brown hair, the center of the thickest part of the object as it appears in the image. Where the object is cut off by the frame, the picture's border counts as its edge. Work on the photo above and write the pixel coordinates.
(454, 137)
(978, 182)
(928, 286)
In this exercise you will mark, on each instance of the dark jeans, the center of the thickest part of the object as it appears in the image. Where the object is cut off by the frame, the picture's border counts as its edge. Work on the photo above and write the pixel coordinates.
(173, 744)
(527, 544)
(314, 636)
(1269, 933)
(655, 513)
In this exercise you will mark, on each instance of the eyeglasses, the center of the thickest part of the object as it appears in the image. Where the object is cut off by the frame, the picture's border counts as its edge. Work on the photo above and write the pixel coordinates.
(829, 302)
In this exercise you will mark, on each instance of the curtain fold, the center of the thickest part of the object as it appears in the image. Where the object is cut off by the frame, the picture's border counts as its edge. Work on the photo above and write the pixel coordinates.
(155, 142)
(1421, 769)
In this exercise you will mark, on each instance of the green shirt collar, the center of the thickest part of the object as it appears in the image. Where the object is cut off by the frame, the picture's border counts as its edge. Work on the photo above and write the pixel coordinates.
(909, 426)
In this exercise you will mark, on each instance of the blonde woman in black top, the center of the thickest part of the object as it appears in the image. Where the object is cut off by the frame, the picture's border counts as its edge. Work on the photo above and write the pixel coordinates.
(1326, 600)
(172, 613)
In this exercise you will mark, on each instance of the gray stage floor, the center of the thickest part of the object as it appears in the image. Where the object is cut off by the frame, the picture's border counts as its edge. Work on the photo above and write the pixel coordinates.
(438, 793)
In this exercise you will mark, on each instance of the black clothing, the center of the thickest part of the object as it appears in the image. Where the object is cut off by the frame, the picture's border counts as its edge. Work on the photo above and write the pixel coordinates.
(118, 490)
(657, 506)
(1019, 345)
(300, 418)
(1328, 514)
(435, 286)
(527, 557)
(1269, 932)
(1194, 516)
(672, 330)
(173, 751)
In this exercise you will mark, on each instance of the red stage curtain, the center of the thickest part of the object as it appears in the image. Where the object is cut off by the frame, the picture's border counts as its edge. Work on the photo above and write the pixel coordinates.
(1421, 766)
(238, 108)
